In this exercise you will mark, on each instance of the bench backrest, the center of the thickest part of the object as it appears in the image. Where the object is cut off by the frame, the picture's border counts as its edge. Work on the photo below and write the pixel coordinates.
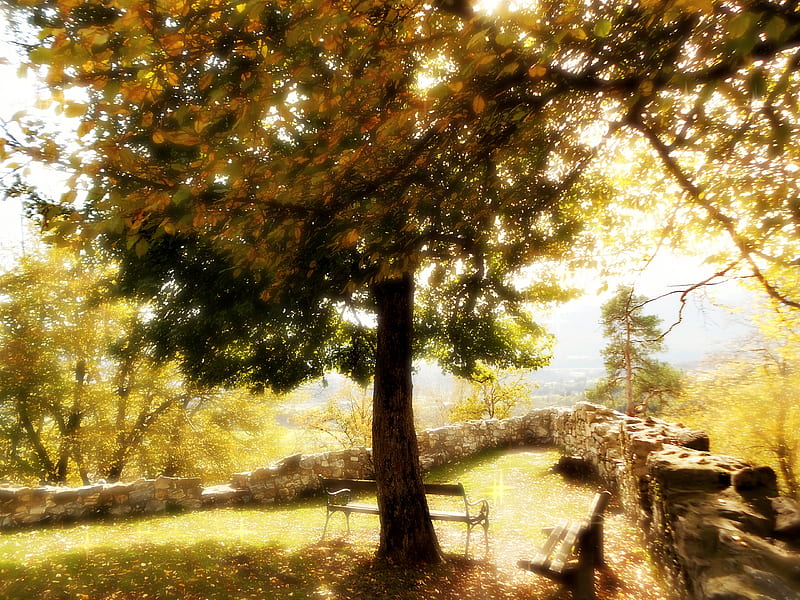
(598, 506)
(354, 485)
(445, 489)
(369, 485)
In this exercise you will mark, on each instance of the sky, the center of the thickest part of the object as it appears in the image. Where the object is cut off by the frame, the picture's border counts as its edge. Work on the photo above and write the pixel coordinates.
(17, 94)
(712, 319)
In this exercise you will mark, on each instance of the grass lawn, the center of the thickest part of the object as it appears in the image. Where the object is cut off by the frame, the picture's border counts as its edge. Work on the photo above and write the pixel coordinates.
(265, 553)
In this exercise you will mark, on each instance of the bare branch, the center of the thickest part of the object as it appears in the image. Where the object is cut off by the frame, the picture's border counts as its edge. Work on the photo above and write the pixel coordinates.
(744, 245)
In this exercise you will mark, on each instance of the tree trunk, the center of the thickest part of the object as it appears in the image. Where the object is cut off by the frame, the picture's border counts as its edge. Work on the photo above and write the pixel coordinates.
(47, 467)
(630, 409)
(407, 534)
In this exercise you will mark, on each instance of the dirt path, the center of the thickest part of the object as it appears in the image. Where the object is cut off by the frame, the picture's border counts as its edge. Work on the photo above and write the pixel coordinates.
(525, 496)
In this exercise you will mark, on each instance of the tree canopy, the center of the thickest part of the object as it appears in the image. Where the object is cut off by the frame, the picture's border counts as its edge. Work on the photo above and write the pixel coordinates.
(330, 157)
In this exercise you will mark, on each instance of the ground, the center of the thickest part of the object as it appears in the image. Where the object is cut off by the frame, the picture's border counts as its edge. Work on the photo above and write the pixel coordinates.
(260, 554)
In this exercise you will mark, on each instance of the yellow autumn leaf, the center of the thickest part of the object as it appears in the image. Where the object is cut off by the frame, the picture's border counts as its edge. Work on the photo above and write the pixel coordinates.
(350, 238)
(478, 105)
(85, 127)
(537, 71)
(74, 109)
(578, 33)
(173, 79)
(182, 138)
(158, 137)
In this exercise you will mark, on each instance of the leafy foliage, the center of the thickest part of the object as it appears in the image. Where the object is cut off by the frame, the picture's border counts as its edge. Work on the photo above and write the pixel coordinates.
(493, 395)
(748, 403)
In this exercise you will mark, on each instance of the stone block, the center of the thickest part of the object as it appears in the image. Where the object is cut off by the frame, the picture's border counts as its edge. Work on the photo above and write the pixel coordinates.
(142, 491)
(696, 440)
(240, 480)
(120, 510)
(154, 506)
(643, 446)
(760, 481)
(787, 518)
(64, 495)
(27, 494)
(749, 584)
(673, 473)
(114, 493)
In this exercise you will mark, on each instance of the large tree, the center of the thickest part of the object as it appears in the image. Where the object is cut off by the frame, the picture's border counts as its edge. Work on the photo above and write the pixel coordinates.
(333, 156)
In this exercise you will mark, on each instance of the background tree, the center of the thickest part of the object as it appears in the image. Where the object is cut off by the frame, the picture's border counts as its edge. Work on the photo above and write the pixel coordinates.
(82, 397)
(746, 400)
(633, 376)
(331, 154)
(52, 337)
(347, 417)
(492, 395)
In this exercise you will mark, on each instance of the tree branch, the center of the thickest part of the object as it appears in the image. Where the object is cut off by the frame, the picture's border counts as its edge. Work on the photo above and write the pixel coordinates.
(744, 245)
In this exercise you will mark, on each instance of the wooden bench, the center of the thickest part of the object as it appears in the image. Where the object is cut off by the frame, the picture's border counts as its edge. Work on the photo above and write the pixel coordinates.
(573, 550)
(339, 495)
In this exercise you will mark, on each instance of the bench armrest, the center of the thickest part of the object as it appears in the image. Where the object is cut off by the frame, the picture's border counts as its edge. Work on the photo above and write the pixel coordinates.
(483, 511)
(339, 497)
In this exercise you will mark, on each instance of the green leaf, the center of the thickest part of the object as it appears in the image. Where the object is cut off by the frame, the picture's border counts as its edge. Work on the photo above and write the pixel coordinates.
(757, 84)
(141, 247)
(602, 28)
(775, 28)
(741, 24)
(41, 55)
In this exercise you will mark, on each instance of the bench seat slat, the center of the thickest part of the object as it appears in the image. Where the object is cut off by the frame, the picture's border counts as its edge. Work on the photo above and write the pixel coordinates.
(565, 549)
(542, 557)
(367, 509)
(445, 515)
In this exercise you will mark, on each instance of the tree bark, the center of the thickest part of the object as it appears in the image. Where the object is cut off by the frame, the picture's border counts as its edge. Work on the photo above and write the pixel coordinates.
(48, 470)
(407, 534)
(629, 405)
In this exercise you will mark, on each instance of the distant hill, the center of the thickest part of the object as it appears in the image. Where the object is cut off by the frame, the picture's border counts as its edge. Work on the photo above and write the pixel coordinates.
(705, 329)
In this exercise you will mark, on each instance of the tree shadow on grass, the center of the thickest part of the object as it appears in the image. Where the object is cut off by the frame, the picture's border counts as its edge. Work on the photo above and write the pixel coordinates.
(335, 569)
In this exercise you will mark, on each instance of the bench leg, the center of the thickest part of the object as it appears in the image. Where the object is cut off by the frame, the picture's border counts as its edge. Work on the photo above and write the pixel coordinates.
(325, 529)
(582, 583)
(485, 526)
(328, 518)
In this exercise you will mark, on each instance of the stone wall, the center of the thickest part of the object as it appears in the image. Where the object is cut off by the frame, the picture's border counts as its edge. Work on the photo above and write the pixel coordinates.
(28, 506)
(717, 524)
